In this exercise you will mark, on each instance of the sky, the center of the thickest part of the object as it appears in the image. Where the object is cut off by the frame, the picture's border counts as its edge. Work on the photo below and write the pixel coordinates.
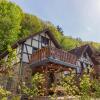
(77, 18)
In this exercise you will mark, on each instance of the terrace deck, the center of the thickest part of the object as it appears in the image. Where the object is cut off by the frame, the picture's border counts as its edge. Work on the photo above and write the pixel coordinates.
(49, 55)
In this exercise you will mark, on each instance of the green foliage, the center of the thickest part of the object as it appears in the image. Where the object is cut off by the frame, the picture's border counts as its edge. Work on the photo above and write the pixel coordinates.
(37, 88)
(54, 30)
(96, 88)
(30, 24)
(95, 45)
(69, 43)
(69, 84)
(7, 64)
(85, 86)
(7, 73)
(10, 19)
(60, 29)
(15, 98)
(14, 24)
(66, 86)
(3, 94)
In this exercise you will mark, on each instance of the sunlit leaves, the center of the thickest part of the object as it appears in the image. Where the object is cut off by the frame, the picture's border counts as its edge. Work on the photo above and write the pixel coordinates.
(30, 24)
(69, 84)
(37, 84)
(4, 93)
(10, 19)
(96, 88)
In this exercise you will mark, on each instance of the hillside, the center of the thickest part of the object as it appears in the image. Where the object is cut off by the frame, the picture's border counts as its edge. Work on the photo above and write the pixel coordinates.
(13, 28)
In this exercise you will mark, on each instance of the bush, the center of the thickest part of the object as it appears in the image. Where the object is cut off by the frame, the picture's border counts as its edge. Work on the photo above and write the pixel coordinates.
(96, 88)
(69, 84)
(36, 88)
(4, 94)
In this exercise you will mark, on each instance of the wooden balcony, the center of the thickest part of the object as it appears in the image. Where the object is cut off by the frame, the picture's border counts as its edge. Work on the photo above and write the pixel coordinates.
(53, 55)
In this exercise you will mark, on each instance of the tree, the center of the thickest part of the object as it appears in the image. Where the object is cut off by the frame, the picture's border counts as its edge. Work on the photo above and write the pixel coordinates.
(54, 30)
(29, 25)
(68, 43)
(60, 29)
(10, 20)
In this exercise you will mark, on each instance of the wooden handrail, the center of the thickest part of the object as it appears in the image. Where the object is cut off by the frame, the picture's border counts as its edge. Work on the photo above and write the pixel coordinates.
(58, 54)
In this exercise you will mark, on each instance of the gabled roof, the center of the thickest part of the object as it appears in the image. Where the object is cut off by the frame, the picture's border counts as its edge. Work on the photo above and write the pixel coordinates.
(79, 51)
(50, 34)
(96, 58)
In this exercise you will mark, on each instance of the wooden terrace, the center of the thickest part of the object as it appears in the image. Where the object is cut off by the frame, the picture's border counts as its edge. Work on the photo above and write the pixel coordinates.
(53, 56)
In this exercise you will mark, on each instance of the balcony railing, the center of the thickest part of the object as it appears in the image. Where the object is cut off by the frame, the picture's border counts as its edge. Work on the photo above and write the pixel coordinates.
(54, 53)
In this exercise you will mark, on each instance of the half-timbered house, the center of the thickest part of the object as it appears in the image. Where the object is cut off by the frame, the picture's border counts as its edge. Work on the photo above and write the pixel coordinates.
(84, 54)
(40, 52)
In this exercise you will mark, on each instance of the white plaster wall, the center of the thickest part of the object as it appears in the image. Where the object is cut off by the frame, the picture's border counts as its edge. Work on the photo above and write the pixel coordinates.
(35, 43)
(52, 44)
(28, 41)
(29, 49)
(36, 37)
(24, 49)
(25, 58)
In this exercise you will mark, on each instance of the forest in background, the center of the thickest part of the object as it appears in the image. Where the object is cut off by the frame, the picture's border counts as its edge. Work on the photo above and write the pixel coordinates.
(16, 24)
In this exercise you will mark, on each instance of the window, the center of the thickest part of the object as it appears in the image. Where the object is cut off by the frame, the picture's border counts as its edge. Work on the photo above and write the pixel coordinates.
(44, 40)
(34, 49)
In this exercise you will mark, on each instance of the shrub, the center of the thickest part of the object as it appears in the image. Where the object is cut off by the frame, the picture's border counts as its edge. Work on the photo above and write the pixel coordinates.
(96, 88)
(36, 88)
(85, 87)
(69, 84)
(4, 94)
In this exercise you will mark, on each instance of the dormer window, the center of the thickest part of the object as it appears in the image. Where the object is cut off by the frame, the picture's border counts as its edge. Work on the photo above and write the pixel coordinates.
(44, 40)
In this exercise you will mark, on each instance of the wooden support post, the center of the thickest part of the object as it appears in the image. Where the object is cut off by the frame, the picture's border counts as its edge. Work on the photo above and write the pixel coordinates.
(46, 73)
